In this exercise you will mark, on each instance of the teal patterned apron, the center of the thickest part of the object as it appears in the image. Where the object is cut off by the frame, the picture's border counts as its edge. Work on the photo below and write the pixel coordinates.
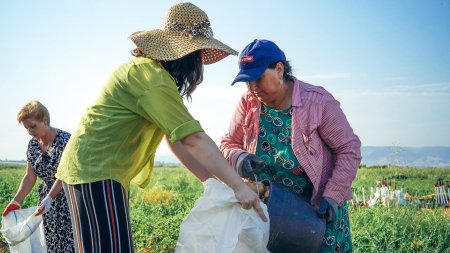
(274, 147)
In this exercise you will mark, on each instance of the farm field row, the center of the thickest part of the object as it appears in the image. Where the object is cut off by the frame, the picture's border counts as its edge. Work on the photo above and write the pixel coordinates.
(158, 210)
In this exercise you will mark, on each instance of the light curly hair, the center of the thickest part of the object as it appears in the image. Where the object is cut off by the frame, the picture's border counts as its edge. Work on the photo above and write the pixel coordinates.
(33, 110)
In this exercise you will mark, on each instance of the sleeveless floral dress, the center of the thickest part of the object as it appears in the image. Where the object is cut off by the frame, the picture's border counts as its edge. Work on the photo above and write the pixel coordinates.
(274, 147)
(57, 225)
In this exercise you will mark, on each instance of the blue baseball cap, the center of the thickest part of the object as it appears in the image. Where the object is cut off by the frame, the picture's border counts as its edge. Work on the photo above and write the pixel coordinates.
(255, 58)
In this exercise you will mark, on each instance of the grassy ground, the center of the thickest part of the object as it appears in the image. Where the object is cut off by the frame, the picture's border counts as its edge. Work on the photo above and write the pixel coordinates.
(157, 211)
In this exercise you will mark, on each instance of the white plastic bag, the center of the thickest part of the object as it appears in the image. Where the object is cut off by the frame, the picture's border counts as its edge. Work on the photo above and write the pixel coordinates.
(217, 223)
(23, 231)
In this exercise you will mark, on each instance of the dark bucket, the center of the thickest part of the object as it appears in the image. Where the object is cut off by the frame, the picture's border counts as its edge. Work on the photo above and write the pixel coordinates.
(294, 224)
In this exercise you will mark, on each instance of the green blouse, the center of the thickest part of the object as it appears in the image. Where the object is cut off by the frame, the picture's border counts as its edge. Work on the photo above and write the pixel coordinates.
(117, 137)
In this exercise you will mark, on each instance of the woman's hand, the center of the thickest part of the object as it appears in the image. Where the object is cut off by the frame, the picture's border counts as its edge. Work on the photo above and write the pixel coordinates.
(44, 205)
(13, 205)
(328, 209)
(249, 165)
(249, 199)
(207, 155)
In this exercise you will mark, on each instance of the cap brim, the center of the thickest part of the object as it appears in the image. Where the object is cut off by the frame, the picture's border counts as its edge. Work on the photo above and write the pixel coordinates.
(248, 75)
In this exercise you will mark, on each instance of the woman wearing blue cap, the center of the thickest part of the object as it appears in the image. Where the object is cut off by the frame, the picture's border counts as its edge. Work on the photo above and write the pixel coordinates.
(295, 135)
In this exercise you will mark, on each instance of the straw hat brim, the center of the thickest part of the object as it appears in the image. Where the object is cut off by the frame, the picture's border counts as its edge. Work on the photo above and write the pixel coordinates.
(171, 45)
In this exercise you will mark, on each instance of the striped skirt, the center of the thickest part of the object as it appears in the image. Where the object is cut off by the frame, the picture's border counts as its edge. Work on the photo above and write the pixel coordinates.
(100, 219)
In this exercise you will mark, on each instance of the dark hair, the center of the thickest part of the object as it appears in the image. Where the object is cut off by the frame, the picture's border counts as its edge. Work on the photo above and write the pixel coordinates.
(287, 74)
(187, 72)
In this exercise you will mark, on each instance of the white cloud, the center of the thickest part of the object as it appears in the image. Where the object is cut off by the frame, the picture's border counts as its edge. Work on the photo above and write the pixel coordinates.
(219, 94)
(327, 76)
(395, 78)
(428, 88)
(431, 89)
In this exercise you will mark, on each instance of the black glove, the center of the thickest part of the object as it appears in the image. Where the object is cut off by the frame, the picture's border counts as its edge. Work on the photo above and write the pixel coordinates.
(327, 210)
(249, 166)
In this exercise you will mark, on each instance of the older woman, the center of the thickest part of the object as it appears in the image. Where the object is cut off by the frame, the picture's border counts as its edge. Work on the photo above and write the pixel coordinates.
(43, 154)
(296, 135)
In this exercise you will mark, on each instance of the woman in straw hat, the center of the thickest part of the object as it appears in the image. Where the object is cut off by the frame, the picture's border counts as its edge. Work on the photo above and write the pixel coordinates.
(295, 135)
(117, 137)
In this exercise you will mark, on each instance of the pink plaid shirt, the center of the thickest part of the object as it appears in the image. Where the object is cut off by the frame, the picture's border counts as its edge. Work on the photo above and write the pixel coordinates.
(322, 139)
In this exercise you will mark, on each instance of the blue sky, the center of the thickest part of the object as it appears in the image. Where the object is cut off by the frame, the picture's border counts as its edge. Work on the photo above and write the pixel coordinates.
(387, 62)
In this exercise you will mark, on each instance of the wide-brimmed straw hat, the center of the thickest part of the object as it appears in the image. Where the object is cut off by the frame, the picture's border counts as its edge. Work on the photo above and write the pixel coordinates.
(186, 28)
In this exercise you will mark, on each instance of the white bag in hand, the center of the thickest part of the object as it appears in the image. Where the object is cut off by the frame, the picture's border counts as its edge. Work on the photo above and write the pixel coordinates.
(217, 223)
(23, 231)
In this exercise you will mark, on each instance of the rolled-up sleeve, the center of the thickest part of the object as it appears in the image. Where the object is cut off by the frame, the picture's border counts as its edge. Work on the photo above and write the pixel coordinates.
(184, 130)
(163, 106)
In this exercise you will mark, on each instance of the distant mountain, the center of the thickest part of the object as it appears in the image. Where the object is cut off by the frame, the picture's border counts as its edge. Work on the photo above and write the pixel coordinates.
(166, 160)
(438, 157)
(13, 161)
(421, 157)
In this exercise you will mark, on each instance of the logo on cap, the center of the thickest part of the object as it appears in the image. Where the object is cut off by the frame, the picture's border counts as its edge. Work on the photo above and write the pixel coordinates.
(246, 58)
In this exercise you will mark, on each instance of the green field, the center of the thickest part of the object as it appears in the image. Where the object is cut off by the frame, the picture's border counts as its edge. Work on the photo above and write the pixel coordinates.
(157, 211)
